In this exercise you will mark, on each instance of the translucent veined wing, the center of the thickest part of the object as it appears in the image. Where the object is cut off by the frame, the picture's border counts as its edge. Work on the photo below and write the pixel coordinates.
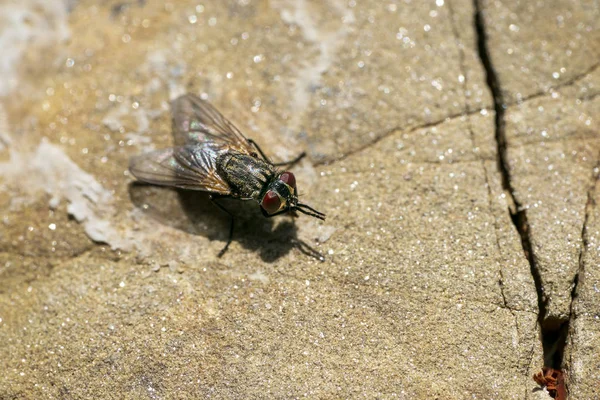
(187, 167)
(197, 121)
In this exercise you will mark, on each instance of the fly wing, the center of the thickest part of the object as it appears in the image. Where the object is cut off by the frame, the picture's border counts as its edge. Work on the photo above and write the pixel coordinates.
(197, 121)
(186, 167)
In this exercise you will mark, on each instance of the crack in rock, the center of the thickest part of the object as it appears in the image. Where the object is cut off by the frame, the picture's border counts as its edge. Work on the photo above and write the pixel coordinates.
(389, 132)
(552, 332)
(565, 84)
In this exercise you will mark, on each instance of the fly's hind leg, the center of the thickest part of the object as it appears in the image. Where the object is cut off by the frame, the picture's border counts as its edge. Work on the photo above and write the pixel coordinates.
(213, 199)
(288, 163)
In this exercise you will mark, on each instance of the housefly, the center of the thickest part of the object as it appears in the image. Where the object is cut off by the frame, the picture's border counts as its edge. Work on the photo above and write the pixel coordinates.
(213, 156)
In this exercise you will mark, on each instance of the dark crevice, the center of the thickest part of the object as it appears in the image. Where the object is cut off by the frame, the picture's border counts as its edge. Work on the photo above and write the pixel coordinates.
(589, 97)
(570, 82)
(552, 332)
(584, 136)
(391, 131)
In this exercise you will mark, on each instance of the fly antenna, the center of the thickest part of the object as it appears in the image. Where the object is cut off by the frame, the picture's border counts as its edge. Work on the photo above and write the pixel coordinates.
(305, 209)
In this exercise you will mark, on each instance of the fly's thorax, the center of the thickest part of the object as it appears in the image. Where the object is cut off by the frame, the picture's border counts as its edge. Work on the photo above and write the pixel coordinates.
(247, 176)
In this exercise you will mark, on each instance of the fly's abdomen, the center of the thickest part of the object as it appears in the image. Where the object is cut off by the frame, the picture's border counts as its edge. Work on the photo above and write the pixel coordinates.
(246, 175)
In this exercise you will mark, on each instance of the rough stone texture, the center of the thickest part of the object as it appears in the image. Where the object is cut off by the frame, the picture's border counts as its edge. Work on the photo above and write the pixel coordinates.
(425, 290)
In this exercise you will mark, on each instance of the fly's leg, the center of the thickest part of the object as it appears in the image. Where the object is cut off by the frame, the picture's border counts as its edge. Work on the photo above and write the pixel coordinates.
(292, 162)
(288, 163)
(257, 147)
(213, 199)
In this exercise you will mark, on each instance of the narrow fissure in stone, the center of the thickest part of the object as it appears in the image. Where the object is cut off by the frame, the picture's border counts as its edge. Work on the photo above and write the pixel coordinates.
(584, 245)
(553, 333)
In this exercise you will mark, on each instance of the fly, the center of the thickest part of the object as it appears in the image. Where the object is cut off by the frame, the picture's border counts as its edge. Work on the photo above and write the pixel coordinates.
(213, 156)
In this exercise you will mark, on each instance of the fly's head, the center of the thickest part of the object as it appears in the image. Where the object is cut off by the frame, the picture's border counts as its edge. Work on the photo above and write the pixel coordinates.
(282, 196)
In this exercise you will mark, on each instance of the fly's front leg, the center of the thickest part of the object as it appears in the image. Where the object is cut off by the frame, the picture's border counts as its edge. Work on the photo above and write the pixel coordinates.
(288, 163)
(213, 199)
(292, 162)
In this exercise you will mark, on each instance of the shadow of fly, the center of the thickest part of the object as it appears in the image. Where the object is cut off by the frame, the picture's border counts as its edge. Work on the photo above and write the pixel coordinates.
(213, 156)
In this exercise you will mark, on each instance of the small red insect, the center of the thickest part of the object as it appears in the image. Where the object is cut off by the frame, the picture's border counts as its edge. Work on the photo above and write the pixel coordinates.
(553, 380)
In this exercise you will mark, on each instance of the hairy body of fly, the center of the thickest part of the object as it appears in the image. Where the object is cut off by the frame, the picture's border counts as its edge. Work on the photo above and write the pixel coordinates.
(247, 176)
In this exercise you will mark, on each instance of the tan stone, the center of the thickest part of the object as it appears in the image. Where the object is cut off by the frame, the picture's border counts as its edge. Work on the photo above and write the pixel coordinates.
(114, 290)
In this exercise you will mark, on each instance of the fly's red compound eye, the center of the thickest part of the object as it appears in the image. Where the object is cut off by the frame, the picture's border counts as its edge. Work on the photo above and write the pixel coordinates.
(271, 202)
(289, 179)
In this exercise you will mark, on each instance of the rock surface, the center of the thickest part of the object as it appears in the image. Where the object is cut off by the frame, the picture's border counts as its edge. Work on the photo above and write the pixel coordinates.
(546, 68)
(457, 171)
